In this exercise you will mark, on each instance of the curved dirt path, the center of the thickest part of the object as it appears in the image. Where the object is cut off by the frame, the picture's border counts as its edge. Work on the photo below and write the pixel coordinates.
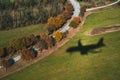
(96, 8)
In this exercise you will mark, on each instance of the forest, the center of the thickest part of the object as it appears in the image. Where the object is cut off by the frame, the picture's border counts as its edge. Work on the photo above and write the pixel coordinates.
(20, 13)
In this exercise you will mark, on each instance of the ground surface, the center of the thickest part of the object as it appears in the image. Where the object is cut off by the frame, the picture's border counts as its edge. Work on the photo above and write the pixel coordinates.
(104, 30)
(7, 36)
(62, 65)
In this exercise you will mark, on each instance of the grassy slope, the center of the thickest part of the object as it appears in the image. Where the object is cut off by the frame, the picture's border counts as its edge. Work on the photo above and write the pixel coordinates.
(104, 65)
(7, 36)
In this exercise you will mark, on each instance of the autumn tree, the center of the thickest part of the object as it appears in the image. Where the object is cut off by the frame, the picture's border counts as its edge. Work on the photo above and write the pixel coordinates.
(59, 20)
(27, 54)
(18, 43)
(50, 28)
(30, 40)
(55, 22)
(58, 35)
(67, 14)
(23, 42)
(69, 7)
(47, 39)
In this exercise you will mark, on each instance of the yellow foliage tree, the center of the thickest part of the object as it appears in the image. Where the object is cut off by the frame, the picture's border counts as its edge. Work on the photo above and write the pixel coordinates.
(58, 35)
(59, 20)
(56, 21)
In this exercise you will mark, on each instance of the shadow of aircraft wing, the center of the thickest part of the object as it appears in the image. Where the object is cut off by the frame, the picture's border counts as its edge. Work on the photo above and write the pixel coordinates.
(73, 49)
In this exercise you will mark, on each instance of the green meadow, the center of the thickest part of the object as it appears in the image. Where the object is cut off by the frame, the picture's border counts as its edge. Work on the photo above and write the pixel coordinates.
(63, 65)
(7, 36)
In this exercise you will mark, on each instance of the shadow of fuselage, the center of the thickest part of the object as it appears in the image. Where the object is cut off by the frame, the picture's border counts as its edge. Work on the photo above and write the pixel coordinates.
(84, 49)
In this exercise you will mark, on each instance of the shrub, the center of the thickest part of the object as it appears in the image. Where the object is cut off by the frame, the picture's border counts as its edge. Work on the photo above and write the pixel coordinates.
(75, 22)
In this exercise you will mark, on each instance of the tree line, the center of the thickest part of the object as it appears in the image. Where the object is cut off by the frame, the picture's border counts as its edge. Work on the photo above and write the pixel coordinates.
(19, 13)
(29, 46)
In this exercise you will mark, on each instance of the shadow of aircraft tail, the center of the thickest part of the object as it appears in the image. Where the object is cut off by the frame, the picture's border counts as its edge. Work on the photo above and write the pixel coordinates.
(84, 49)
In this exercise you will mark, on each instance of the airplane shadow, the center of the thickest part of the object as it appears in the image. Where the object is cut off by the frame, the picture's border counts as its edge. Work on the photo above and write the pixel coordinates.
(85, 49)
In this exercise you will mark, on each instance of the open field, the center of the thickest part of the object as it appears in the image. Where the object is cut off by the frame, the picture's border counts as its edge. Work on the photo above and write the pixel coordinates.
(104, 64)
(7, 36)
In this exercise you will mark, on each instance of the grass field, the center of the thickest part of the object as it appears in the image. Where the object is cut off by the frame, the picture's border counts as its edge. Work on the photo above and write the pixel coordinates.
(7, 36)
(61, 65)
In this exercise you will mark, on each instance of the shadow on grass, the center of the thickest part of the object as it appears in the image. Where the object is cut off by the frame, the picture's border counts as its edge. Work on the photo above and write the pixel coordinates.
(85, 49)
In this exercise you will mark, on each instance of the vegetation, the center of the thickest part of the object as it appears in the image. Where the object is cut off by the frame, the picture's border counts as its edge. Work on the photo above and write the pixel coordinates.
(6, 63)
(1, 52)
(58, 36)
(74, 23)
(24, 42)
(95, 66)
(27, 41)
(82, 10)
(57, 22)
(27, 54)
(19, 13)
(47, 39)
(5, 39)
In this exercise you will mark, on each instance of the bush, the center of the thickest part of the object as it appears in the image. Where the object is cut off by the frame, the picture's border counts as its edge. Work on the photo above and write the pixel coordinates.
(74, 23)
(27, 54)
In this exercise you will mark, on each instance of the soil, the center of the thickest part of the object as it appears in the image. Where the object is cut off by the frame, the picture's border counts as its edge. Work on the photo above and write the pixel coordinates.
(106, 29)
